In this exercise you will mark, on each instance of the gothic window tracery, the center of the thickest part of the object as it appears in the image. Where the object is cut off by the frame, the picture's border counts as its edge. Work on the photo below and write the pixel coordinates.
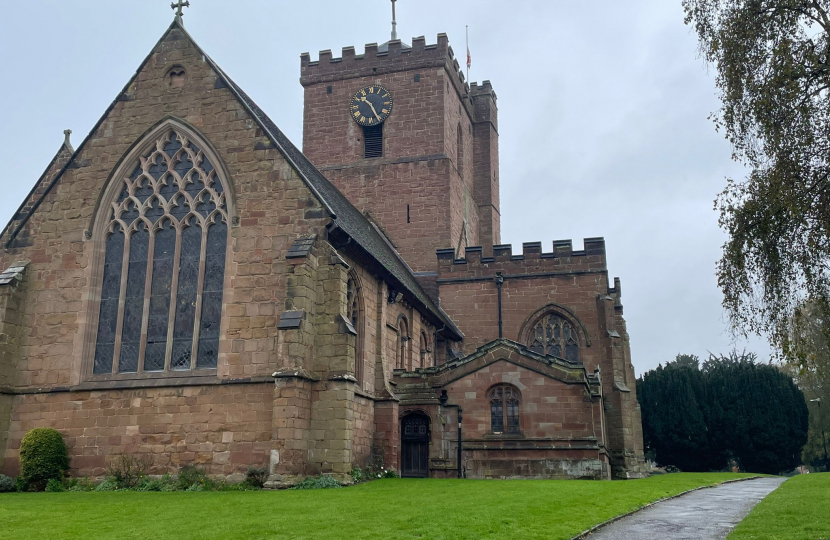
(554, 336)
(504, 410)
(355, 315)
(164, 264)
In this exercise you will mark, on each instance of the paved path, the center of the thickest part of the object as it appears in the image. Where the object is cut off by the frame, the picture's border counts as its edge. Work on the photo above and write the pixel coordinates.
(706, 514)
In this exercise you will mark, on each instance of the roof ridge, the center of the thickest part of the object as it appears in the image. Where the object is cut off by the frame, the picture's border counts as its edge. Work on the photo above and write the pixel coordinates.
(343, 214)
(81, 146)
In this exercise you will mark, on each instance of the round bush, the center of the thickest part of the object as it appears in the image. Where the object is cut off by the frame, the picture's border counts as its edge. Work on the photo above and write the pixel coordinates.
(6, 484)
(43, 457)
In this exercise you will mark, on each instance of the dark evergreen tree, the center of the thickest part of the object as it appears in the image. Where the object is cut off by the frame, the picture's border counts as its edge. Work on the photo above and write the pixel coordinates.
(733, 408)
(674, 428)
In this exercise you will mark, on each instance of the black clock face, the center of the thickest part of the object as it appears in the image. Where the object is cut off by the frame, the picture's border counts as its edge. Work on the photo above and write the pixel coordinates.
(370, 106)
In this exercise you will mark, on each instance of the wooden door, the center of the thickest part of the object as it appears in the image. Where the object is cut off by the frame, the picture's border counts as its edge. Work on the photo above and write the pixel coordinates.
(415, 446)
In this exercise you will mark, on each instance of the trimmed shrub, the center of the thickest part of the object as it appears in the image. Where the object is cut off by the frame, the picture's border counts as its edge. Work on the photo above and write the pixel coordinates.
(6, 484)
(43, 457)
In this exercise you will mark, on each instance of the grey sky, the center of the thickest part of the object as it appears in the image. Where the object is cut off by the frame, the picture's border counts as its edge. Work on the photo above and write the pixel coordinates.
(602, 113)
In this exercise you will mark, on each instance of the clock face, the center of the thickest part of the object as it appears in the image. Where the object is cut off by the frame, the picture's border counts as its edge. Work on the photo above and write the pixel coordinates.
(370, 106)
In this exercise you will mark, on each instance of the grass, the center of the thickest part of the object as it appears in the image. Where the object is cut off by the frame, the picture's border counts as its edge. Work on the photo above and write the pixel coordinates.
(798, 510)
(383, 509)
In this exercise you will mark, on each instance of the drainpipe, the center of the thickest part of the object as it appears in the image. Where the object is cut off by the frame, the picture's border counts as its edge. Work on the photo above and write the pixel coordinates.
(499, 281)
(459, 443)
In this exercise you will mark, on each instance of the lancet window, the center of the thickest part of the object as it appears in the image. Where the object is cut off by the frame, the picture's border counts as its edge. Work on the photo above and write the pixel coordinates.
(164, 264)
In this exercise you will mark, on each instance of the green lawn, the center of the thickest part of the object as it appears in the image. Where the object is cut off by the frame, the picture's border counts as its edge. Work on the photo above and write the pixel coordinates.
(384, 509)
(798, 510)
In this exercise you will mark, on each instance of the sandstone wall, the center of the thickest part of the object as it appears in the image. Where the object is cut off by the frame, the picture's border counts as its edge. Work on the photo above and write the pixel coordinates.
(224, 428)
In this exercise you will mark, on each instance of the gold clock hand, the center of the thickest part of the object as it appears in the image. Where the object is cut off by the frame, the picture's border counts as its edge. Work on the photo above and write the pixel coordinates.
(363, 99)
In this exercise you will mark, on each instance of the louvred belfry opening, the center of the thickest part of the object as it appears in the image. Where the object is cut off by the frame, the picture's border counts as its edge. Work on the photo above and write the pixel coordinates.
(373, 141)
(164, 267)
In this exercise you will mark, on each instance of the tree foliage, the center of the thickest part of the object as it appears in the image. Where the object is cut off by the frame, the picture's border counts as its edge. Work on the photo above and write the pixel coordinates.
(730, 409)
(772, 59)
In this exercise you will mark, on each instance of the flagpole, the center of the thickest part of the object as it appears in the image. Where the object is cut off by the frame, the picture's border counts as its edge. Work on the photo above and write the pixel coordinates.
(467, 32)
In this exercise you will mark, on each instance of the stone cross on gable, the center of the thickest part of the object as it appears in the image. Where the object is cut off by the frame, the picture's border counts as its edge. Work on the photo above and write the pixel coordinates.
(178, 7)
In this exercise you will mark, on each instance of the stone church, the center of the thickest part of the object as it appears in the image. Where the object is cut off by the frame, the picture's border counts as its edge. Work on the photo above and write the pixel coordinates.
(186, 283)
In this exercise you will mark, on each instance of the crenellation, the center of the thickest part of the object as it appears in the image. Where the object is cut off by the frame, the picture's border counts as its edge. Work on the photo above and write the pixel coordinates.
(562, 259)
(374, 62)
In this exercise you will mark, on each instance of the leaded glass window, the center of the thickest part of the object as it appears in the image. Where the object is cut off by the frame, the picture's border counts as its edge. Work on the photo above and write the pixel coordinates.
(164, 265)
(355, 314)
(554, 336)
(504, 410)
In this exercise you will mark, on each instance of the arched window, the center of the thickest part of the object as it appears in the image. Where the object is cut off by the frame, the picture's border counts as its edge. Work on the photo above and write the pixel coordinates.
(354, 305)
(424, 350)
(164, 263)
(504, 409)
(403, 361)
(552, 335)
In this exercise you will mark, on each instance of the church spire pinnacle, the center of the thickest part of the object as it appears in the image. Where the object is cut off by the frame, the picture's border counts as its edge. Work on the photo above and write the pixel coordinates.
(394, 23)
(178, 7)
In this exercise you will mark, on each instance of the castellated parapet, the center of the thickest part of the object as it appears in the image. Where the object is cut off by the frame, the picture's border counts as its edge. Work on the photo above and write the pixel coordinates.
(531, 263)
(373, 62)
(563, 259)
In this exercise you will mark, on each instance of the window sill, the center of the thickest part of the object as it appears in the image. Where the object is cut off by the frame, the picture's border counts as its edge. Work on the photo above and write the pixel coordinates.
(504, 436)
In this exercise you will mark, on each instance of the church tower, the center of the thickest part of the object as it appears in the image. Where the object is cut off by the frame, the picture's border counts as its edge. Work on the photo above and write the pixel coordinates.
(425, 171)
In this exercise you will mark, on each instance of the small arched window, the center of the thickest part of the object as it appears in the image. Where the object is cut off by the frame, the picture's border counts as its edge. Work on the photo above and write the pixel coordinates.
(504, 410)
(355, 315)
(552, 335)
(164, 264)
(403, 361)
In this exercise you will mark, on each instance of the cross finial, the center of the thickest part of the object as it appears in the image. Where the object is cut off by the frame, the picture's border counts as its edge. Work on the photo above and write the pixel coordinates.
(394, 23)
(178, 7)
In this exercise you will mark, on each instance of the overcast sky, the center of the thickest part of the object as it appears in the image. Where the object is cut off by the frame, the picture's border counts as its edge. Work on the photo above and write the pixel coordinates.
(602, 119)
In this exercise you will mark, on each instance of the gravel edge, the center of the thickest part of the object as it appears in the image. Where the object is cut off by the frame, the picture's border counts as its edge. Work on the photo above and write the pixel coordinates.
(584, 534)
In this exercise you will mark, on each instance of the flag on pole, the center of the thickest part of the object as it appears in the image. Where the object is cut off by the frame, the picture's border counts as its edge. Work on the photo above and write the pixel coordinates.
(469, 58)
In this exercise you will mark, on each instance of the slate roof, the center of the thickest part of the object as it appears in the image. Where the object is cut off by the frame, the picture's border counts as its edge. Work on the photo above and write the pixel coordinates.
(344, 215)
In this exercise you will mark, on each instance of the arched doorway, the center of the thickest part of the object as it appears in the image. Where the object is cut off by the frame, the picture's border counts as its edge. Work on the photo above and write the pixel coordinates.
(415, 446)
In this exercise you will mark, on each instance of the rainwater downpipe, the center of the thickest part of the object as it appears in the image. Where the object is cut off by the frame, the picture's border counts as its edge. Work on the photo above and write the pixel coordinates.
(499, 281)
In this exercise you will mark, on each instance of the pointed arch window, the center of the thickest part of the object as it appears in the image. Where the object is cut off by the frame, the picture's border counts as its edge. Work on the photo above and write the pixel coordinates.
(552, 335)
(164, 264)
(504, 410)
(354, 305)
(403, 361)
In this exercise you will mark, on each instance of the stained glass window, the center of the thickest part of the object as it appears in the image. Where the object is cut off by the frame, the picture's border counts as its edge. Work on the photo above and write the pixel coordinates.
(164, 266)
(504, 410)
(554, 336)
